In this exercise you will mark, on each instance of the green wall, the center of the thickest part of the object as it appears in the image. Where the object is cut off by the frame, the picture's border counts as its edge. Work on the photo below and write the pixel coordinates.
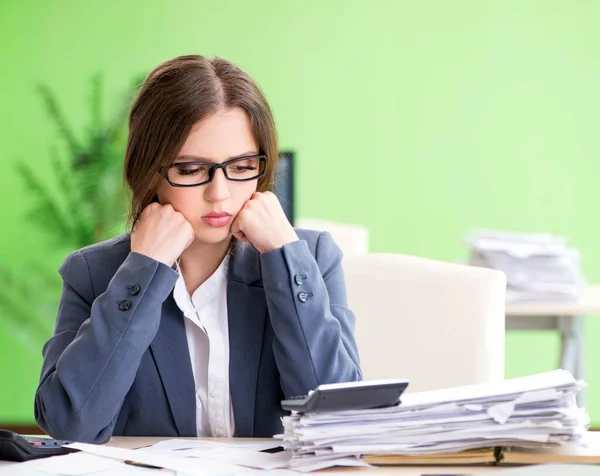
(425, 119)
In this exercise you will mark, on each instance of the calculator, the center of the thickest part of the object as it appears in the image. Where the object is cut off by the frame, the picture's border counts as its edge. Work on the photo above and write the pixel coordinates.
(14, 447)
(348, 396)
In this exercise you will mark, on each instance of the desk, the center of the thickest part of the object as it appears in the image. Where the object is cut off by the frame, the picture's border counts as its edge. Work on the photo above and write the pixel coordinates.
(137, 442)
(565, 317)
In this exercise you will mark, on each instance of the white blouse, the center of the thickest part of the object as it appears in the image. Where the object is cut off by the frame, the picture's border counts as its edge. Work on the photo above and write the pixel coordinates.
(208, 342)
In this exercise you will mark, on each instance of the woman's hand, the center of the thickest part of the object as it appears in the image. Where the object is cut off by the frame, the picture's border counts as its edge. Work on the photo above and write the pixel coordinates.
(262, 222)
(162, 233)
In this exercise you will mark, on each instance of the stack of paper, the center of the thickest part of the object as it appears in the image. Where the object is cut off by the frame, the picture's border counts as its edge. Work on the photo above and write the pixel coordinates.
(529, 411)
(538, 267)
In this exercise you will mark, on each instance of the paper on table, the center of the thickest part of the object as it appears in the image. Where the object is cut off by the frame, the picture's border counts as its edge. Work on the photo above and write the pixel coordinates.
(243, 453)
(238, 453)
(537, 267)
(177, 444)
(188, 466)
(413, 425)
(241, 457)
(78, 463)
(530, 411)
(74, 464)
(542, 381)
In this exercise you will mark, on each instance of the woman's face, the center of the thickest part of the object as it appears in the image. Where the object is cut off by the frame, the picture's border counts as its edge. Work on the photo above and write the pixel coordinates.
(212, 207)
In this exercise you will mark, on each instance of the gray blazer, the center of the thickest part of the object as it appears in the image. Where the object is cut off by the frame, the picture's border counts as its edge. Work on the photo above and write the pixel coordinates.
(119, 364)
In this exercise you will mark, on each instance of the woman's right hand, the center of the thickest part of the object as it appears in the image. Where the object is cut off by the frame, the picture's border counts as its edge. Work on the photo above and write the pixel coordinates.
(162, 233)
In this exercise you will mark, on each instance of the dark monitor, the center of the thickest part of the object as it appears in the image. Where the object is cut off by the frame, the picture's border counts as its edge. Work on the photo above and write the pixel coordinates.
(283, 184)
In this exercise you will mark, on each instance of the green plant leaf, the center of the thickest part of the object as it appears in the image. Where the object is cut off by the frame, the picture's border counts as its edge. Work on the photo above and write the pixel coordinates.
(96, 100)
(24, 313)
(59, 119)
(89, 205)
(45, 213)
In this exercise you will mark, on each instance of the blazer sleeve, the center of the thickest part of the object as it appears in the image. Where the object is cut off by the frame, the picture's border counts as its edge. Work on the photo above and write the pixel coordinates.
(91, 361)
(306, 298)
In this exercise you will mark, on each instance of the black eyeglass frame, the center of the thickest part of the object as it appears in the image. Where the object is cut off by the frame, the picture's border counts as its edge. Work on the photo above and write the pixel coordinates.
(223, 166)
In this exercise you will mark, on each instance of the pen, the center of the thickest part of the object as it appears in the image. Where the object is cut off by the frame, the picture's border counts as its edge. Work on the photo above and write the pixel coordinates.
(141, 465)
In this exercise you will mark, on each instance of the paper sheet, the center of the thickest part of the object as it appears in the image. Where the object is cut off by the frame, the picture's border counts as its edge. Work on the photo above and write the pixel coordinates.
(188, 466)
(527, 411)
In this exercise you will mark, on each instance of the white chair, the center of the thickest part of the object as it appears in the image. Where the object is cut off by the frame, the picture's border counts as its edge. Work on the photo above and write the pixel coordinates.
(352, 239)
(438, 324)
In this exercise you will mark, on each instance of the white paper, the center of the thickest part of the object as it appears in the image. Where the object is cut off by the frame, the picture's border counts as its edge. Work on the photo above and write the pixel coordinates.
(242, 453)
(242, 457)
(178, 444)
(527, 411)
(189, 466)
(538, 267)
(78, 463)
(75, 464)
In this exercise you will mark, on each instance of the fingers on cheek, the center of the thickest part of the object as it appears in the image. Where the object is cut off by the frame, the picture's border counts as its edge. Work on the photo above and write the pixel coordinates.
(240, 235)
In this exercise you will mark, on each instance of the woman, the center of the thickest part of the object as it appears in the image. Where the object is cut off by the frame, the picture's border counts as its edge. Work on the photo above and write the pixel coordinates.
(214, 308)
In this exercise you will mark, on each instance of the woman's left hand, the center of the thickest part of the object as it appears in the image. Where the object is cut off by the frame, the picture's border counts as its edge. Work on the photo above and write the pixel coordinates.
(262, 222)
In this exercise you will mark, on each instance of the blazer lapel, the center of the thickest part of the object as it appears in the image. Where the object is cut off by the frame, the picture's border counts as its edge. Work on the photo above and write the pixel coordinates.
(247, 311)
(171, 354)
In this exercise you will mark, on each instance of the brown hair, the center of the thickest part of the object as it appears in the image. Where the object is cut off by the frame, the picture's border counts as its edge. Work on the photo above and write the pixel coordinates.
(174, 97)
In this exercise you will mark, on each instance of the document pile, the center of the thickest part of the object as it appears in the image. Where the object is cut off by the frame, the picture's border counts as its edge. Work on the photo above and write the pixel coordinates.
(538, 267)
(528, 411)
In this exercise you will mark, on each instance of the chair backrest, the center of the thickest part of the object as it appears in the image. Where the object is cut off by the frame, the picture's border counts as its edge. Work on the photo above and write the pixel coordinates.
(352, 239)
(437, 324)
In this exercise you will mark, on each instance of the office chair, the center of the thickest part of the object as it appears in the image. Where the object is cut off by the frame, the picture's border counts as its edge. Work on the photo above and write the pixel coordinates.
(437, 324)
(352, 239)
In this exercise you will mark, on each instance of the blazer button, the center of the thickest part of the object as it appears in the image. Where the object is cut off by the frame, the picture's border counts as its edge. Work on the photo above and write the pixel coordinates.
(125, 305)
(298, 279)
(302, 296)
(134, 290)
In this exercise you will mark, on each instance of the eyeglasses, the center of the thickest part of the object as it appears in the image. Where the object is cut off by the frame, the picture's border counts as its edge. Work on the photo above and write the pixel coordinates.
(193, 174)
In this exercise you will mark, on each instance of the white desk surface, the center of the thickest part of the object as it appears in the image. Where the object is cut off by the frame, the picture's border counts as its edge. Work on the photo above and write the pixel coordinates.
(588, 304)
(137, 442)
